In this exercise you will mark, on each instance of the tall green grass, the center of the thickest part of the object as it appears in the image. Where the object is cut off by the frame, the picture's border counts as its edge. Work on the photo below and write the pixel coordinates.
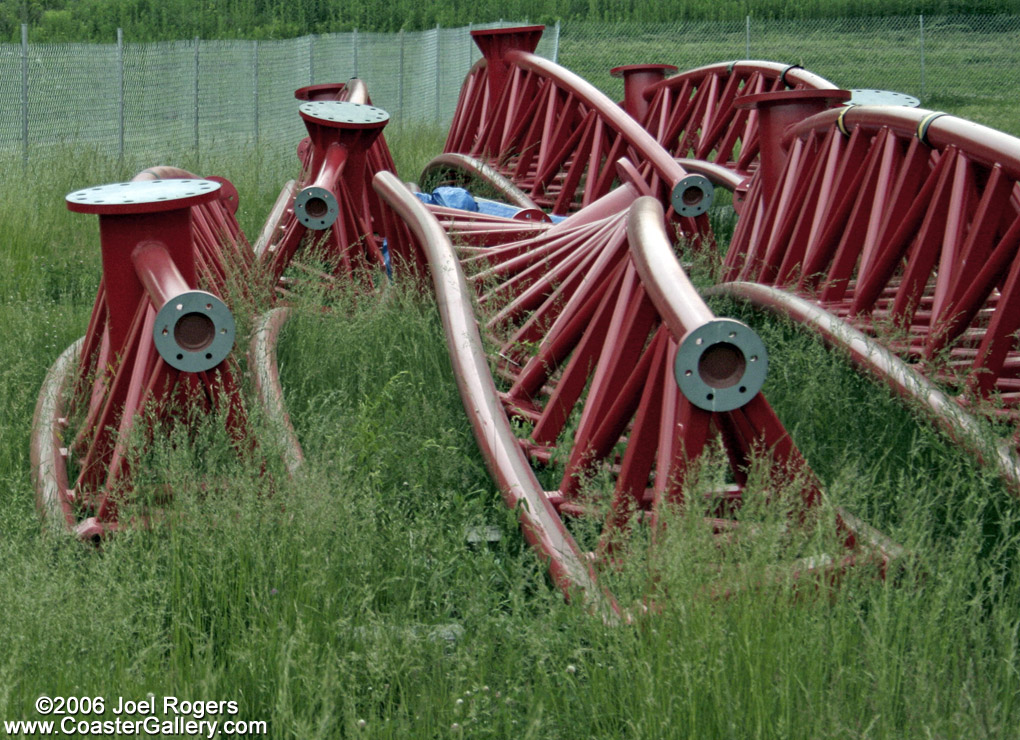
(348, 602)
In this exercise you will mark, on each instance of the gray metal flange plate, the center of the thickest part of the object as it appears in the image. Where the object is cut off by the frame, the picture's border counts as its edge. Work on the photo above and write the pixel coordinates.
(194, 332)
(882, 97)
(316, 208)
(721, 365)
(142, 196)
(692, 196)
(342, 113)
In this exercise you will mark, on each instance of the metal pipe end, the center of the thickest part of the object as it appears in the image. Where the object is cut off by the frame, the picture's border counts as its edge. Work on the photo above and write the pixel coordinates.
(692, 196)
(316, 208)
(194, 331)
(721, 365)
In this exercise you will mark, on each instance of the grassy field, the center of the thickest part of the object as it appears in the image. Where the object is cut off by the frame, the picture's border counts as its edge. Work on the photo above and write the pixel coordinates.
(970, 65)
(346, 602)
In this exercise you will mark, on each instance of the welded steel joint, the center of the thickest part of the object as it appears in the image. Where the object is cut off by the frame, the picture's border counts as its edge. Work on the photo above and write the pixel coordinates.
(145, 231)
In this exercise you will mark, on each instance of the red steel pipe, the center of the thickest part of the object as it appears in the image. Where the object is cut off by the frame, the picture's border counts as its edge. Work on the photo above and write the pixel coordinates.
(637, 78)
(776, 112)
(684, 188)
(721, 363)
(158, 273)
(872, 357)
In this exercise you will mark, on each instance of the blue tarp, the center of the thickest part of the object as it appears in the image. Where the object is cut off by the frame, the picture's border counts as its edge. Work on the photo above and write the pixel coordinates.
(450, 197)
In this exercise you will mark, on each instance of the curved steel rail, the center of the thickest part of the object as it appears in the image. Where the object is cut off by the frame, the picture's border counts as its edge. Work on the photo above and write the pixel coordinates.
(871, 356)
(46, 447)
(696, 114)
(504, 457)
(266, 377)
(479, 170)
(905, 223)
(557, 137)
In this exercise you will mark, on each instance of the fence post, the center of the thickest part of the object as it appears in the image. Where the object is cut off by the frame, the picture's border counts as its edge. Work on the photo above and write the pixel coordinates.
(400, 80)
(556, 44)
(470, 44)
(24, 94)
(921, 23)
(120, 92)
(747, 37)
(438, 58)
(197, 155)
(311, 59)
(255, 88)
(355, 37)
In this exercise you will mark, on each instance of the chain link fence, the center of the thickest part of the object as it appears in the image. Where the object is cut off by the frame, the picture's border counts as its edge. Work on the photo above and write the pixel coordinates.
(965, 65)
(156, 100)
(159, 99)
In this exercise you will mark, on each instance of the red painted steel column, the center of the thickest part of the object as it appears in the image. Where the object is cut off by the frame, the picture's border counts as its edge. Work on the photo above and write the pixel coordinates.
(776, 111)
(132, 213)
(637, 78)
(151, 333)
(344, 149)
(494, 43)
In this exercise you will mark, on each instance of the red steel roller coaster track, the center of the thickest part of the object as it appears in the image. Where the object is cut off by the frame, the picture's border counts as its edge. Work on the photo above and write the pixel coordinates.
(594, 319)
(556, 137)
(904, 224)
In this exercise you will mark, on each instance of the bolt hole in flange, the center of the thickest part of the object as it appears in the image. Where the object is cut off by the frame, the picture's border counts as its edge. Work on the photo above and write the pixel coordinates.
(721, 365)
(194, 332)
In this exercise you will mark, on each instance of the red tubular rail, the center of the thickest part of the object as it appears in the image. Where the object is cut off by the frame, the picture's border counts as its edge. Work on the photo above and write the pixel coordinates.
(557, 137)
(475, 169)
(697, 114)
(504, 457)
(871, 356)
(906, 224)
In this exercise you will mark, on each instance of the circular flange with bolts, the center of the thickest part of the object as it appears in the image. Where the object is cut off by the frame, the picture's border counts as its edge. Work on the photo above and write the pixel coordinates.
(882, 97)
(316, 208)
(194, 332)
(342, 114)
(721, 365)
(143, 196)
(692, 196)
